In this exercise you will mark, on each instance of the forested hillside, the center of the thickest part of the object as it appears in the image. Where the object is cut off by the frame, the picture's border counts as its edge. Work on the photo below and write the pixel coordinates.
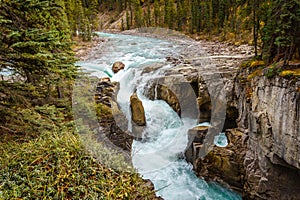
(271, 26)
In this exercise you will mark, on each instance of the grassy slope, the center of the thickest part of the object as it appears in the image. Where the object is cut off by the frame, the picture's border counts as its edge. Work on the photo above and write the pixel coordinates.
(47, 160)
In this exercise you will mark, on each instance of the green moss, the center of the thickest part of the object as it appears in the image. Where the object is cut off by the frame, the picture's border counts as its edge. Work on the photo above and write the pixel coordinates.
(255, 74)
(245, 64)
(102, 110)
(253, 63)
(290, 73)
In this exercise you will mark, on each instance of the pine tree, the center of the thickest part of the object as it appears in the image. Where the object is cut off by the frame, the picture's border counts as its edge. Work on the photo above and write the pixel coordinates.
(35, 43)
(156, 12)
(281, 33)
(138, 14)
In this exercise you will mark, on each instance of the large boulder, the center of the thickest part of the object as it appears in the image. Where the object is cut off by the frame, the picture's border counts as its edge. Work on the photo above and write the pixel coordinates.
(137, 110)
(137, 116)
(117, 66)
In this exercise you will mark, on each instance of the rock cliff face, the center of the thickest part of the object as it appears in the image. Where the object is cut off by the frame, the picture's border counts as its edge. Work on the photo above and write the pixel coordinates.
(262, 159)
(114, 123)
(269, 115)
(222, 164)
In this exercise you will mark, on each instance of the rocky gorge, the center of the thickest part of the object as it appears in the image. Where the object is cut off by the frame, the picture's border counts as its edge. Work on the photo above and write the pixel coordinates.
(259, 116)
(262, 126)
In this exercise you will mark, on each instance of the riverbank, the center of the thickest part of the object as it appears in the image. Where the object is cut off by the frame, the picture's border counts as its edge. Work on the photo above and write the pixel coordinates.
(42, 156)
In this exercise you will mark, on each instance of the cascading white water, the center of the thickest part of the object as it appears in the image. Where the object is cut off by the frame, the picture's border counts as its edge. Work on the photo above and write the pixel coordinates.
(157, 159)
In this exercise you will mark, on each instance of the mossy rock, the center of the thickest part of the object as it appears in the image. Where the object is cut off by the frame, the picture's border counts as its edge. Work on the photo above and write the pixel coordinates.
(254, 74)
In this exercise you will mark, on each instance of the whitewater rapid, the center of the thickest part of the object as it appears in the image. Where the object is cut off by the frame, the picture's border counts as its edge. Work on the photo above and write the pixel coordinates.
(160, 157)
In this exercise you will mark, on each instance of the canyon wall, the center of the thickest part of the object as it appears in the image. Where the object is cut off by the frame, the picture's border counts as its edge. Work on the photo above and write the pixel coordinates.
(269, 111)
(262, 159)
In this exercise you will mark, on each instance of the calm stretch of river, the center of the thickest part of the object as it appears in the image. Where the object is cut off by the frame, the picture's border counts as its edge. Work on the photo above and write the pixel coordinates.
(157, 159)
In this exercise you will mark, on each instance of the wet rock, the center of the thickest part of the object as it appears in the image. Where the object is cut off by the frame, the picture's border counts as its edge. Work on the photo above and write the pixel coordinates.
(105, 91)
(177, 91)
(152, 68)
(137, 116)
(166, 94)
(117, 66)
(113, 123)
(137, 110)
(196, 138)
(262, 159)
(224, 164)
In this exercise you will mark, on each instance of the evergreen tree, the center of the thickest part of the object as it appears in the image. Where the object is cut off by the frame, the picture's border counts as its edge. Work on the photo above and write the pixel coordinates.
(156, 12)
(281, 34)
(138, 14)
(35, 43)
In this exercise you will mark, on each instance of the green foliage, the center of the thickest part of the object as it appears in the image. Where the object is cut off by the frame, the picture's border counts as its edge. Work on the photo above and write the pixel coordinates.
(272, 27)
(55, 164)
(82, 17)
(41, 154)
(138, 14)
(36, 44)
(102, 110)
(281, 33)
(289, 73)
(272, 70)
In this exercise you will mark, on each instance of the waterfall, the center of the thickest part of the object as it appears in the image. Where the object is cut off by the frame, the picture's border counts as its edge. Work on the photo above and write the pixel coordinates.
(160, 157)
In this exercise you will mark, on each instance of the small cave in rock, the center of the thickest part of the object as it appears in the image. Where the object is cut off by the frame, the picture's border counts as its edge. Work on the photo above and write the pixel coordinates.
(195, 86)
(205, 112)
(230, 120)
(231, 116)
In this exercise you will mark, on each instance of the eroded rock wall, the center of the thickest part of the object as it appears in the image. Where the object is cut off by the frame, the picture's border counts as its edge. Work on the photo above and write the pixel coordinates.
(269, 111)
(262, 160)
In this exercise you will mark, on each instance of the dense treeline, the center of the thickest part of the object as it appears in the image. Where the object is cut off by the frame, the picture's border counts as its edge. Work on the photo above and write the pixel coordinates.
(271, 26)
(82, 16)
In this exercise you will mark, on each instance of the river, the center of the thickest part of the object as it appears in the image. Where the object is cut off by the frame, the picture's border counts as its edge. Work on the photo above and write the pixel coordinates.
(156, 158)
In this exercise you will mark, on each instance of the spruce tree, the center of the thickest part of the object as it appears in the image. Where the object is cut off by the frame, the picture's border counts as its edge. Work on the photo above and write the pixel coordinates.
(35, 43)
(281, 33)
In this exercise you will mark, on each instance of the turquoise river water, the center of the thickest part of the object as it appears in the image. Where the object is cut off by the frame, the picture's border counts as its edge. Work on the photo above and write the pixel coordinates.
(157, 158)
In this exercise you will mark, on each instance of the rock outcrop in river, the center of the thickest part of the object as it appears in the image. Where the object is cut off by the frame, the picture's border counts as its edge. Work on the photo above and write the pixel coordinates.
(137, 116)
(111, 119)
(117, 66)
